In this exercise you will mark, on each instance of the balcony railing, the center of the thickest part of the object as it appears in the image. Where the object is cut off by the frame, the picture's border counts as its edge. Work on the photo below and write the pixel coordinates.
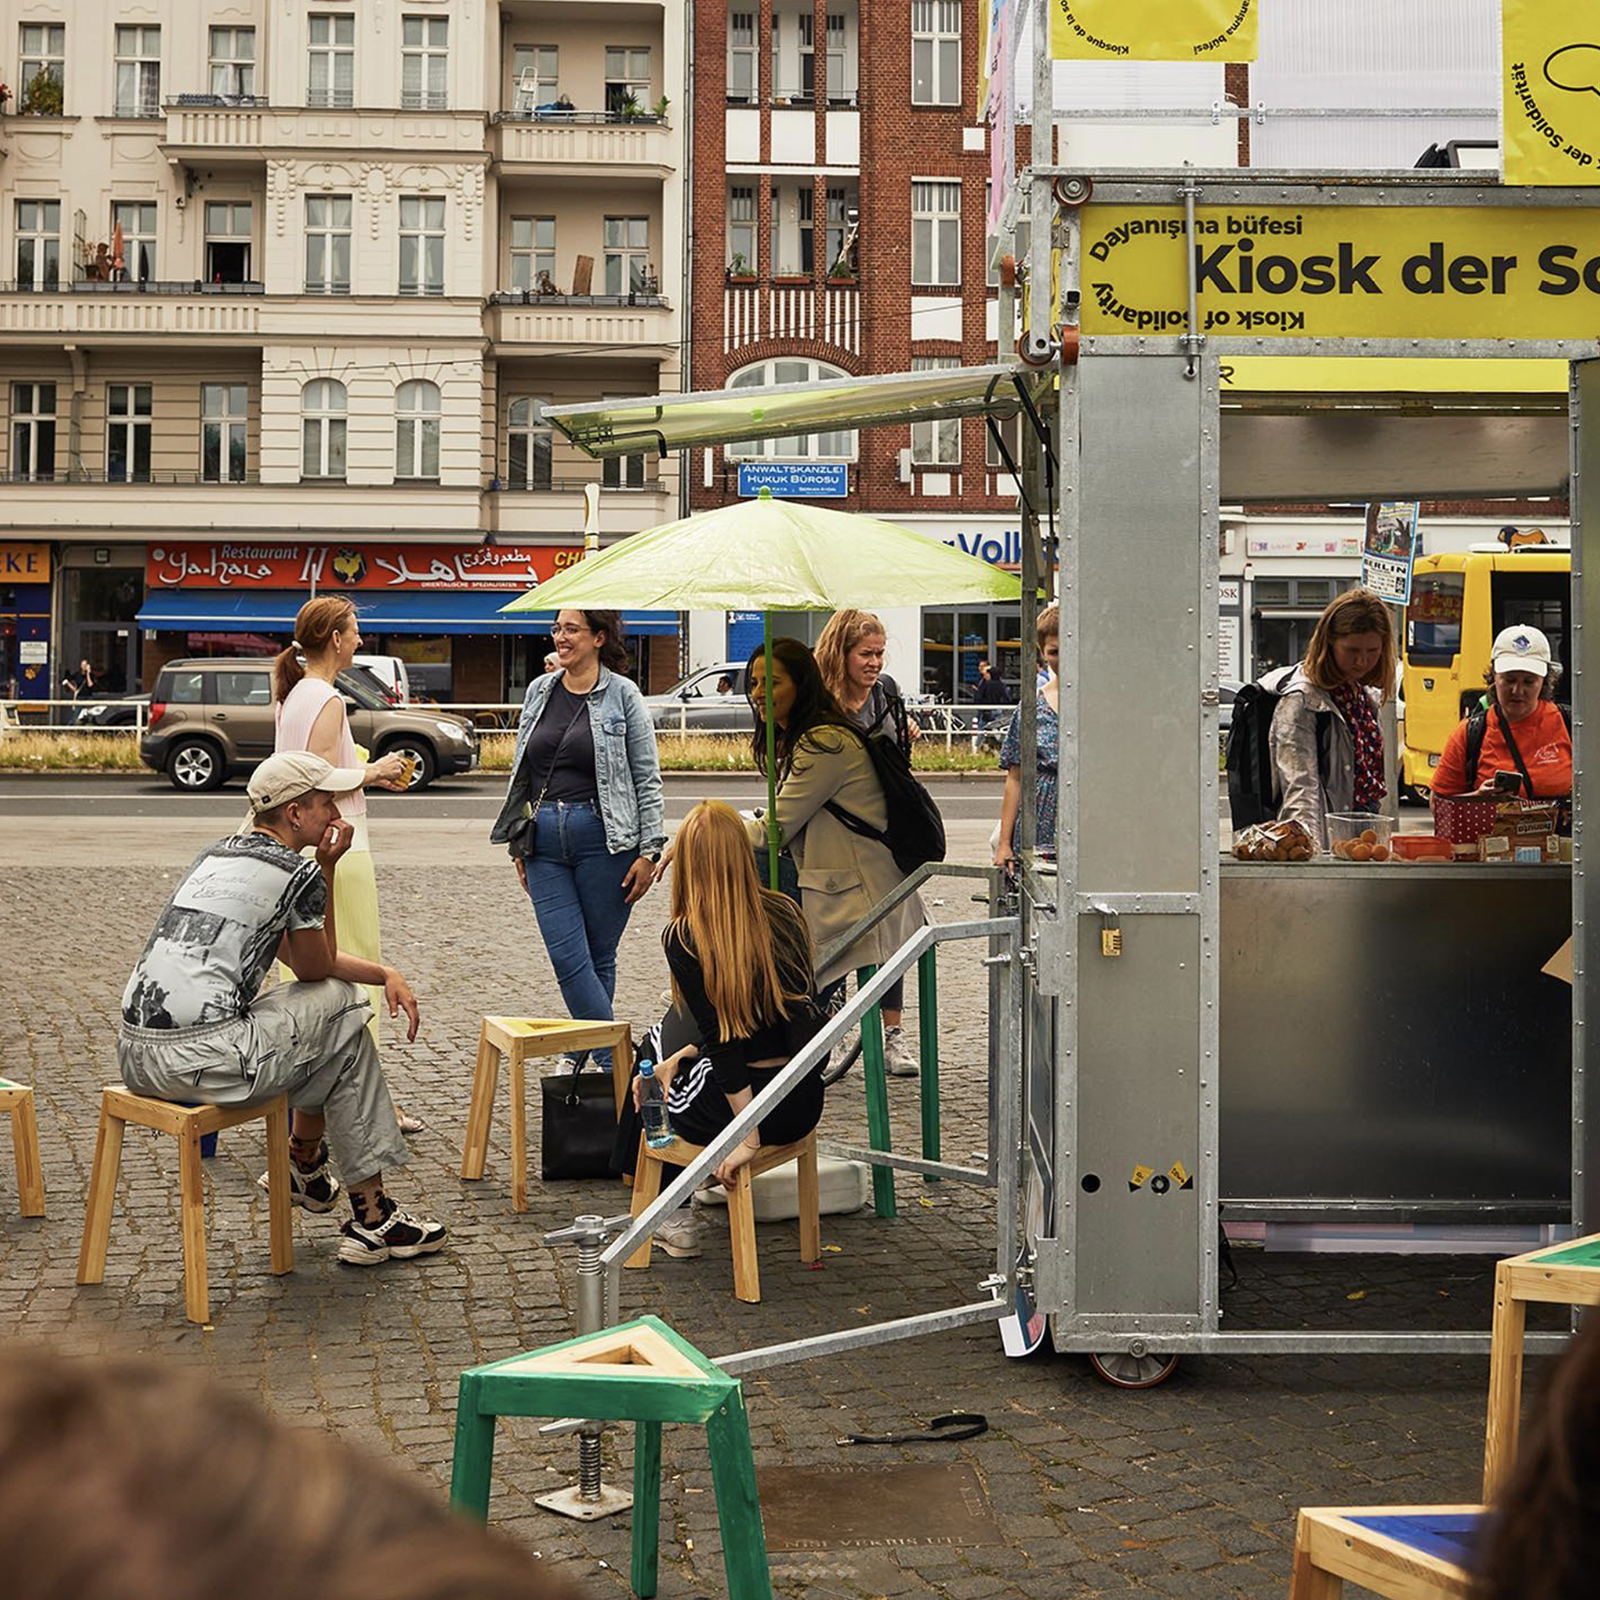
(181, 101)
(147, 286)
(568, 486)
(581, 119)
(145, 480)
(532, 297)
(755, 312)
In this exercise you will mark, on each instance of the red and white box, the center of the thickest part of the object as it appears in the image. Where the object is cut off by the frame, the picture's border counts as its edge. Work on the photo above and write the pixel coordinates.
(1462, 821)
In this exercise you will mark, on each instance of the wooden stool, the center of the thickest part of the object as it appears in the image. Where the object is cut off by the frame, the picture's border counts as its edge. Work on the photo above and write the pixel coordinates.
(16, 1101)
(741, 1203)
(641, 1372)
(119, 1107)
(1404, 1552)
(519, 1039)
(1560, 1274)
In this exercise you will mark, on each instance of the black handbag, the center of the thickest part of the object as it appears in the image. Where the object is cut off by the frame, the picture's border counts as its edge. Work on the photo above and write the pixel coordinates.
(579, 1125)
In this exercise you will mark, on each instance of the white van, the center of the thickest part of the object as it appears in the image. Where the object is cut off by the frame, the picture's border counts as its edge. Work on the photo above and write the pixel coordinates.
(390, 671)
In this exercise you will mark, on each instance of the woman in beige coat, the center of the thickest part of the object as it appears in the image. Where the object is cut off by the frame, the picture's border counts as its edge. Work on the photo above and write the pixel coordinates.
(822, 761)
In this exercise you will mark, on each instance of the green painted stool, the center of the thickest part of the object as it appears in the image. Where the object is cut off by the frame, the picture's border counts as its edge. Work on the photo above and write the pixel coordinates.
(641, 1372)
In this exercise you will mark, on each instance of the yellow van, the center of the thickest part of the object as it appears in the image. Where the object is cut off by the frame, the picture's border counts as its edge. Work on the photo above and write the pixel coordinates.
(1459, 601)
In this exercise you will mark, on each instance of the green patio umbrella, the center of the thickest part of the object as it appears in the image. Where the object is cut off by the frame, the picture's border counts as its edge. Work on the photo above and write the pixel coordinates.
(773, 555)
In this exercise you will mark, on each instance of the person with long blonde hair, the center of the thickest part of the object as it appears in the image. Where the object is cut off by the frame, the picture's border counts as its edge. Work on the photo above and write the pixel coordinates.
(744, 1002)
(309, 714)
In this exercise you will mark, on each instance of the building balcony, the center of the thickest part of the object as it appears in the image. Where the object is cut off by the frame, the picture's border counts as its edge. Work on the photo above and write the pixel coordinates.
(181, 505)
(754, 312)
(229, 312)
(558, 508)
(248, 130)
(562, 324)
(579, 142)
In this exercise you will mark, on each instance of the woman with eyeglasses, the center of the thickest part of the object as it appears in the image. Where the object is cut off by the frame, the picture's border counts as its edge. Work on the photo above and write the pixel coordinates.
(583, 817)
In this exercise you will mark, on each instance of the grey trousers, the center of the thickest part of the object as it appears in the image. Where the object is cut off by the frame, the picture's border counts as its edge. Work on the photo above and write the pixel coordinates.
(309, 1040)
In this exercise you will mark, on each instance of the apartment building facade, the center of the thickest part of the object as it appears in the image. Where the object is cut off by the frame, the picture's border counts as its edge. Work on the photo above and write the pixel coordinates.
(286, 287)
(839, 193)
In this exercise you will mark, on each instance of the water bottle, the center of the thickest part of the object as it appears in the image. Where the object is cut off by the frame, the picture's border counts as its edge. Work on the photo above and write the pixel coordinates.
(658, 1132)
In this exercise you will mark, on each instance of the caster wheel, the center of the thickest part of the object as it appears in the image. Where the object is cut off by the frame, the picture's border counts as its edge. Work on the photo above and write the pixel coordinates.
(1123, 1370)
(1072, 192)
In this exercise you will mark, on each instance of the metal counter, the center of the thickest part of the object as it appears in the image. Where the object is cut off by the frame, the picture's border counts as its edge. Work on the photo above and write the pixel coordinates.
(1389, 1043)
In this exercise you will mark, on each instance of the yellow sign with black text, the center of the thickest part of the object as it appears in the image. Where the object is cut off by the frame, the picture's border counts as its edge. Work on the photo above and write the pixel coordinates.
(1550, 94)
(1153, 30)
(1345, 272)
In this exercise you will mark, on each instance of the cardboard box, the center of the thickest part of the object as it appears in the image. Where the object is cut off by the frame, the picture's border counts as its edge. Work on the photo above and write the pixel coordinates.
(1527, 823)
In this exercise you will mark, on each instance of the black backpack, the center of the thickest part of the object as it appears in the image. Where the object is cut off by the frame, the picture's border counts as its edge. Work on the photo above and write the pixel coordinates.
(1478, 728)
(1254, 794)
(915, 834)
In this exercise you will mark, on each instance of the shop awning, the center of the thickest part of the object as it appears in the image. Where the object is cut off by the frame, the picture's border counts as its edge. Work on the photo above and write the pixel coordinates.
(417, 611)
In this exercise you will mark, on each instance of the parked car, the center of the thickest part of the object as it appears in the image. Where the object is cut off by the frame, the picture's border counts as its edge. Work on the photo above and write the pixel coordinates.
(694, 704)
(121, 712)
(390, 671)
(211, 720)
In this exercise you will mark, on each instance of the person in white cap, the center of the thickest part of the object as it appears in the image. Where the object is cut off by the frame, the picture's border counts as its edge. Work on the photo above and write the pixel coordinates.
(195, 1027)
(1519, 743)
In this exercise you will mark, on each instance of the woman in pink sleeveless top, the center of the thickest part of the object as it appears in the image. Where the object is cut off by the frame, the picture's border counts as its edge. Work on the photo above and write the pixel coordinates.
(310, 715)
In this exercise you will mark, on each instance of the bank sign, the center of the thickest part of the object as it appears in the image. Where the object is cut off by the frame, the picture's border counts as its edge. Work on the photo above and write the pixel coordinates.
(1002, 549)
(354, 568)
(1331, 272)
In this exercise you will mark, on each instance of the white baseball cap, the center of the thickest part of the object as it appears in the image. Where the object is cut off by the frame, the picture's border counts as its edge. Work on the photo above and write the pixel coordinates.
(292, 773)
(1521, 649)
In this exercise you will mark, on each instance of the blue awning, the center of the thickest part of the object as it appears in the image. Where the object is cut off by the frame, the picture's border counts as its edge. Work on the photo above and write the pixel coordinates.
(414, 611)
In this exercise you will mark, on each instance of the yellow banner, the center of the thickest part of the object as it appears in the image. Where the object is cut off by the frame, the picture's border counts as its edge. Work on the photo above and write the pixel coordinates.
(1153, 30)
(1341, 272)
(1550, 92)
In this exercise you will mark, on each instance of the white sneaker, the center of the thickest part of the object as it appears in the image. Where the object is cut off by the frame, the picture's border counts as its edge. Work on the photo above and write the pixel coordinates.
(897, 1054)
(679, 1235)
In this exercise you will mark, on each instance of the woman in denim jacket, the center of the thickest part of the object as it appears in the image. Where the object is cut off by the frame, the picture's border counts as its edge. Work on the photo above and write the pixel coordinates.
(583, 816)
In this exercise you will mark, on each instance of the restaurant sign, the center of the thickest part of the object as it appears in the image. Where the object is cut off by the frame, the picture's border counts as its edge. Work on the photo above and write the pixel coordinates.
(355, 568)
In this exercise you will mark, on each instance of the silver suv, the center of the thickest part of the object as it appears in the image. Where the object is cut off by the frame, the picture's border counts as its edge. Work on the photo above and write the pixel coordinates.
(211, 720)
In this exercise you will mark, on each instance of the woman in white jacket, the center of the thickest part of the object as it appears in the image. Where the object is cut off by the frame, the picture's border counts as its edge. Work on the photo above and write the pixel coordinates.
(1326, 740)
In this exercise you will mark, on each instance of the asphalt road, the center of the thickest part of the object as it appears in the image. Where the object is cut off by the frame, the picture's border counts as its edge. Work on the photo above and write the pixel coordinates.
(961, 799)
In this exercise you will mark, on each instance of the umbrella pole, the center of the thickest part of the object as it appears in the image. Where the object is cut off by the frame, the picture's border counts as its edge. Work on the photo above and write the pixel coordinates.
(772, 757)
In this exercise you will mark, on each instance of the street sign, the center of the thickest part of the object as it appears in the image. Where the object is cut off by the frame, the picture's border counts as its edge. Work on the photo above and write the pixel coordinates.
(795, 480)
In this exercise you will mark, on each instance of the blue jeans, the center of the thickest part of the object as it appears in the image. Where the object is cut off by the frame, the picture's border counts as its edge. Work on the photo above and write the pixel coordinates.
(575, 884)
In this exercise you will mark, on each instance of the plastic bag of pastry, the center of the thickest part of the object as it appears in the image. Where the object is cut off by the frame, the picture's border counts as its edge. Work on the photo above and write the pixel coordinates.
(1275, 841)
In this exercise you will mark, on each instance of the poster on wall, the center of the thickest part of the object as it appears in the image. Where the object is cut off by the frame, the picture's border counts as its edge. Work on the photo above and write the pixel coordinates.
(1154, 30)
(1549, 94)
(1390, 549)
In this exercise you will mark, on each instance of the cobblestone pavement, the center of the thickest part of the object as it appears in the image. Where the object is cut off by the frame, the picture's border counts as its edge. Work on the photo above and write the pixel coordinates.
(1186, 1490)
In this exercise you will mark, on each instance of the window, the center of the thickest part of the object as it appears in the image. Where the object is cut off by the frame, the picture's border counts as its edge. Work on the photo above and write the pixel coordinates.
(841, 240)
(935, 444)
(1011, 431)
(1433, 619)
(533, 253)
(42, 67)
(421, 244)
(744, 67)
(841, 89)
(241, 688)
(535, 77)
(622, 472)
(793, 229)
(331, 74)
(935, 232)
(138, 61)
(137, 219)
(322, 429)
(33, 431)
(416, 430)
(627, 79)
(741, 229)
(840, 444)
(38, 244)
(528, 448)
(424, 63)
(128, 433)
(223, 411)
(808, 54)
(328, 243)
(233, 62)
(228, 241)
(627, 240)
(936, 52)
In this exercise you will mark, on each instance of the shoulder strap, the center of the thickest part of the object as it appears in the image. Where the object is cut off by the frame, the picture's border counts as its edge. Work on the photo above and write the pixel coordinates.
(1516, 754)
(1477, 728)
